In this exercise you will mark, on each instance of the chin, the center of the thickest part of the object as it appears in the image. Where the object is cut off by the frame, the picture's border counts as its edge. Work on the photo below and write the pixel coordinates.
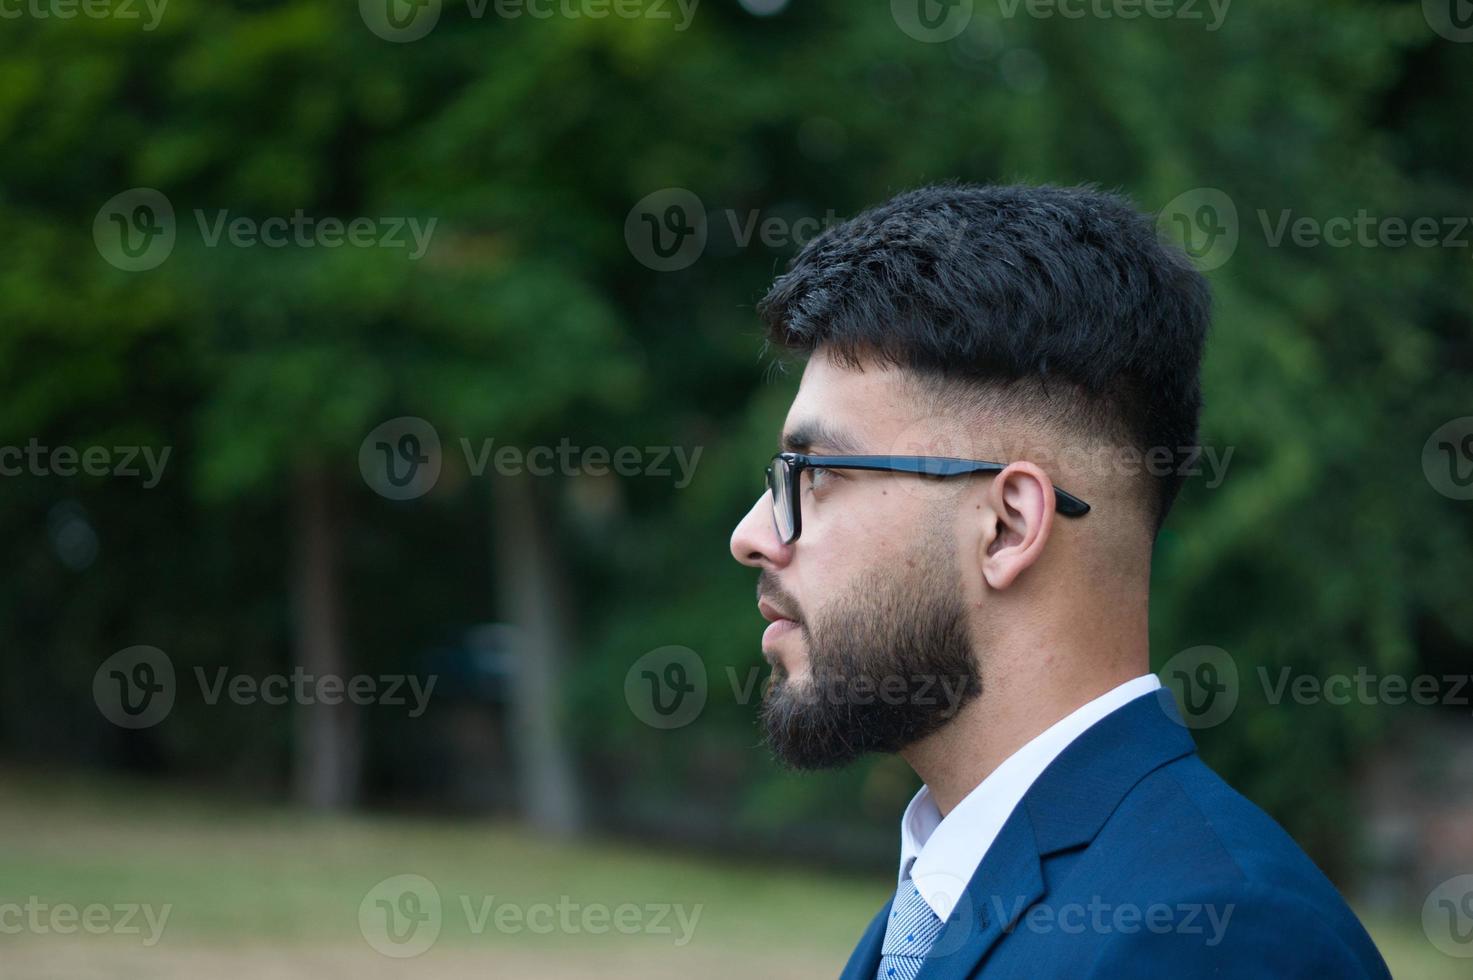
(789, 667)
(788, 653)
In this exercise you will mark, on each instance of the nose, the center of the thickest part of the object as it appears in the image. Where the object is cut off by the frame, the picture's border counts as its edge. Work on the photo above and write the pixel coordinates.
(755, 542)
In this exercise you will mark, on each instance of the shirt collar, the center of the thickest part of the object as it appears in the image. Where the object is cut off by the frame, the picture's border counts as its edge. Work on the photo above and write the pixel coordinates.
(941, 854)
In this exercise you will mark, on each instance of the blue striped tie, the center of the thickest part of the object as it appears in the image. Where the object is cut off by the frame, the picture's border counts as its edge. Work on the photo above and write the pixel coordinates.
(912, 928)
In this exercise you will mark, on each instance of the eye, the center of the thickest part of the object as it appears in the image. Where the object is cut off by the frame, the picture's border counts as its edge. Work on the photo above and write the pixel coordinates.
(819, 477)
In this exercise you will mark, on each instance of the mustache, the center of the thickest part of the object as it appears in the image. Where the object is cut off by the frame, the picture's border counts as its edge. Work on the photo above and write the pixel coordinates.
(777, 596)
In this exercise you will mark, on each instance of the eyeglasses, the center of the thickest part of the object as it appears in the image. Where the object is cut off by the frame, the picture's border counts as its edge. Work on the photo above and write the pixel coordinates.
(786, 468)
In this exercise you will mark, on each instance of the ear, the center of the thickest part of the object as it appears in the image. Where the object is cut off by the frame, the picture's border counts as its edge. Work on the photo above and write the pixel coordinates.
(1021, 499)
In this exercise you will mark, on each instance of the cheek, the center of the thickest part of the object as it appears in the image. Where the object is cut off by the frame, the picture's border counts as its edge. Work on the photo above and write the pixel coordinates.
(873, 521)
(847, 545)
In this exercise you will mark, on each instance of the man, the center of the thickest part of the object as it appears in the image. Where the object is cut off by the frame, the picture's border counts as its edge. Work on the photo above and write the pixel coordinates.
(954, 553)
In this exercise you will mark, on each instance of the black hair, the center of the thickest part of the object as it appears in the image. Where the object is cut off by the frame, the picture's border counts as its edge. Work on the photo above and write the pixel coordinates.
(1018, 289)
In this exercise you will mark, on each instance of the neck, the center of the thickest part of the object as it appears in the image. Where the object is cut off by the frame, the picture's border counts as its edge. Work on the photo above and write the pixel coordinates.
(1025, 691)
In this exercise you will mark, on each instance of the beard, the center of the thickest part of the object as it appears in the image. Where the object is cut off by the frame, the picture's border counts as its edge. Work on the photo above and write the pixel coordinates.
(889, 663)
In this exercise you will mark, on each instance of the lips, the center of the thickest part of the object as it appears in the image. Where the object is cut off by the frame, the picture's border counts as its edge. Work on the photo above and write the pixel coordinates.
(780, 624)
(772, 613)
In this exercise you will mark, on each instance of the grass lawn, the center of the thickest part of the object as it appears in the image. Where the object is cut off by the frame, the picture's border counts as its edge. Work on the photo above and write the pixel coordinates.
(264, 892)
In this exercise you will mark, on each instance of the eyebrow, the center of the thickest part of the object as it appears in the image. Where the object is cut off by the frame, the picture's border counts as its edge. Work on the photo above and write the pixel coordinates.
(815, 435)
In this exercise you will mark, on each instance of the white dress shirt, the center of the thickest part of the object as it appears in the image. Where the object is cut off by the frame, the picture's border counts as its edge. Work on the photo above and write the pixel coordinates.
(941, 855)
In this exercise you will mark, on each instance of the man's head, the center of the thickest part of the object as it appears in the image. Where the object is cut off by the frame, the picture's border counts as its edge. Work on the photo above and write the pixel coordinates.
(1045, 328)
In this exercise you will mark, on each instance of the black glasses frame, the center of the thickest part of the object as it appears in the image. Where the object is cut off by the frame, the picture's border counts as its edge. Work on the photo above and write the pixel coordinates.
(786, 469)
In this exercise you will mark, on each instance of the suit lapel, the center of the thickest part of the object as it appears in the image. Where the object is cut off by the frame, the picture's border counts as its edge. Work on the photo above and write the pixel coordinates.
(1007, 883)
(1064, 808)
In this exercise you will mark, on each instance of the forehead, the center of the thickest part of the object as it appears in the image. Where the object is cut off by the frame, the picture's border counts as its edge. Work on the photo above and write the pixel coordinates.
(839, 409)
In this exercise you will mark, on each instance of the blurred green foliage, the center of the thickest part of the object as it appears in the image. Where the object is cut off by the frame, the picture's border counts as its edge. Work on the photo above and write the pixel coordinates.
(529, 320)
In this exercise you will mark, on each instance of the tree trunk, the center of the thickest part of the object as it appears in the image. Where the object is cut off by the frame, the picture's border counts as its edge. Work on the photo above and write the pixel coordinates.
(531, 599)
(325, 747)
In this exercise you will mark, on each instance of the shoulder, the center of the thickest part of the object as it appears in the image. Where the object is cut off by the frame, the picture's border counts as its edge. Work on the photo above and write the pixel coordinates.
(1227, 885)
(1247, 930)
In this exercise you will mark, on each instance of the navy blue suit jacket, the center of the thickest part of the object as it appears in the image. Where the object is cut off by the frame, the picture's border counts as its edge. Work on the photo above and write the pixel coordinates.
(1128, 857)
